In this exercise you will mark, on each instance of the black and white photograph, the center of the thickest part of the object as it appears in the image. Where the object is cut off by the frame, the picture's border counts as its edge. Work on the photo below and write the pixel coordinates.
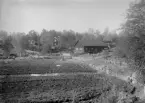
(72, 51)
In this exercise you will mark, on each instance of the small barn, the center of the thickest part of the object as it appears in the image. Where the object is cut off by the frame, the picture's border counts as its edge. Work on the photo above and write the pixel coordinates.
(92, 45)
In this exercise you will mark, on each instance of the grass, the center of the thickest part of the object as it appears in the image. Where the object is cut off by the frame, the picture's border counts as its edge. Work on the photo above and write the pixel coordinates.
(68, 88)
(65, 88)
(41, 66)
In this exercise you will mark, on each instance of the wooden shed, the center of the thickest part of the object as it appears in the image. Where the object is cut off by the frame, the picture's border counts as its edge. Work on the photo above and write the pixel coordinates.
(92, 45)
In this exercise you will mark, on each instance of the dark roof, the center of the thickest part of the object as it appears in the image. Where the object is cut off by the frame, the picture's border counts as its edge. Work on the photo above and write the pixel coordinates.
(96, 41)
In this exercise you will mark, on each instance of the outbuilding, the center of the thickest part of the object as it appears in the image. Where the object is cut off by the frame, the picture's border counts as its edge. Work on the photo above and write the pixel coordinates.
(92, 45)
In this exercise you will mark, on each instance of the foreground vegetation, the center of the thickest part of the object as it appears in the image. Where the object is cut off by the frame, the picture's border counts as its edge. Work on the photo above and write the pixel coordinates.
(70, 86)
(67, 88)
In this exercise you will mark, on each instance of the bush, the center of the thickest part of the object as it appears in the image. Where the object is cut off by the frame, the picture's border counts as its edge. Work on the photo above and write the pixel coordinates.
(118, 52)
(105, 53)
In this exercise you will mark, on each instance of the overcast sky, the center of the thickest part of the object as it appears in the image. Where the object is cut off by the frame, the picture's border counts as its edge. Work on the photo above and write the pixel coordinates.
(78, 15)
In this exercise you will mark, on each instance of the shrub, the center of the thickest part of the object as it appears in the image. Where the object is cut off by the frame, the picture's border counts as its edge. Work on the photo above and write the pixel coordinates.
(118, 52)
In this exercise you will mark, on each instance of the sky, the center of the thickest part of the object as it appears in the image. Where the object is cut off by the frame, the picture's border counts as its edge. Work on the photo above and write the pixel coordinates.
(77, 15)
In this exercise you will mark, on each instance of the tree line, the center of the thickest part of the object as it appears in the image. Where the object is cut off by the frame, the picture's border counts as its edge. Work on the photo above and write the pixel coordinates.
(46, 40)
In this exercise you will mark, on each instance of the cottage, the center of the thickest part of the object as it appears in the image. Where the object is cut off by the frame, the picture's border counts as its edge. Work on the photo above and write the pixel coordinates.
(92, 45)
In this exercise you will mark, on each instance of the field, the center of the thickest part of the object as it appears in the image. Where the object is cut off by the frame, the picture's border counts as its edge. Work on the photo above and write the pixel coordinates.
(41, 66)
(59, 89)
(77, 83)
